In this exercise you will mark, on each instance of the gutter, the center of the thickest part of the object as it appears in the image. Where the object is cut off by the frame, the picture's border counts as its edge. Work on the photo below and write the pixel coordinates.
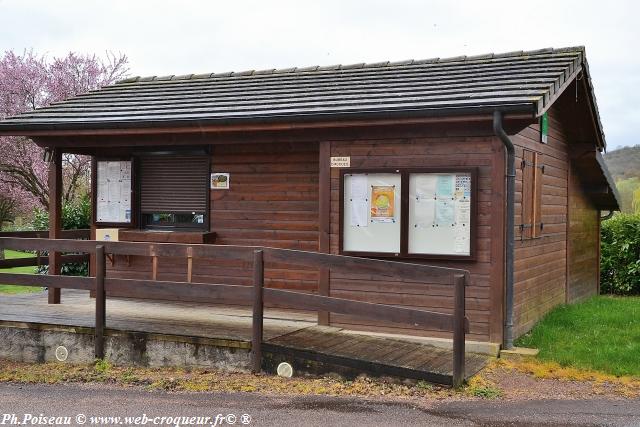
(510, 227)
(15, 126)
(607, 216)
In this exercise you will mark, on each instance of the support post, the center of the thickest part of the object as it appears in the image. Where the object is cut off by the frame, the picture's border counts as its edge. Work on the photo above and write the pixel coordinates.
(324, 222)
(458, 330)
(189, 264)
(101, 306)
(258, 312)
(55, 219)
(154, 263)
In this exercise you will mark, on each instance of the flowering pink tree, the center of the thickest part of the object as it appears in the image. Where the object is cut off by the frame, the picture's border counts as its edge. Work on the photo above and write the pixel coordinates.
(28, 82)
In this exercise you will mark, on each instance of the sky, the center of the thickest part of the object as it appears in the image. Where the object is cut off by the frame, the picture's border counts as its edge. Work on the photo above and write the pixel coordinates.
(182, 37)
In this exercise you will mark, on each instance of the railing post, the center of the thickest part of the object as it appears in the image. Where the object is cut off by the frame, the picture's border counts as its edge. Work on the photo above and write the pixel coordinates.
(458, 330)
(189, 264)
(154, 263)
(258, 311)
(100, 302)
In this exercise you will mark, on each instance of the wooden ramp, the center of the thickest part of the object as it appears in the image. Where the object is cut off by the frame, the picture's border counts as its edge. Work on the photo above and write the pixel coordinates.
(288, 335)
(325, 349)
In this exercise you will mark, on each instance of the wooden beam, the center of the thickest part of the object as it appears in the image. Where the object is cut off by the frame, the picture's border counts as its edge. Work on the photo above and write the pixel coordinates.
(367, 310)
(324, 212)
(55, 219)
(459, 329)
(101, 304)
(258, 312)
(38, 280)
(43, 234)
(407, 270)
(41, 260)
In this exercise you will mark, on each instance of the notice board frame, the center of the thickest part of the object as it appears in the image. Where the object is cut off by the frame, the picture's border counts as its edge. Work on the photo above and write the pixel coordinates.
(404, 212)
(94, 191)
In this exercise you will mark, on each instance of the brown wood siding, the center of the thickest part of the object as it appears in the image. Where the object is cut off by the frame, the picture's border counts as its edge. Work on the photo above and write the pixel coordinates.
(540, 262)
(583, 274)
(437, 148)
(272, 201)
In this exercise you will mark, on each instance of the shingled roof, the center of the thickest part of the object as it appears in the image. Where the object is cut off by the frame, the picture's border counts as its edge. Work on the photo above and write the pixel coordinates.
(517, 81)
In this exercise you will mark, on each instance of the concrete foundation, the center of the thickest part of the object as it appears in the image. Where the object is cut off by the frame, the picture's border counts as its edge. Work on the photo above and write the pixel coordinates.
(37, 343)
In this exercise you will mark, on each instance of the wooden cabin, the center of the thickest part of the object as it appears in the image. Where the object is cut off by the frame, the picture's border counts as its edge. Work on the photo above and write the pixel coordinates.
(401, 160)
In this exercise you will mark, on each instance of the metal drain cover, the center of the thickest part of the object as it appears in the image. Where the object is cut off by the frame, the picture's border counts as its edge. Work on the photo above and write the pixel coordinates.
(62, 353)
(285, 370)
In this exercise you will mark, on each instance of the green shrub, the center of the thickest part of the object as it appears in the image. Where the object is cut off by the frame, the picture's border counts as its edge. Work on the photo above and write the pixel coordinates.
(620, 255)
(75, 215)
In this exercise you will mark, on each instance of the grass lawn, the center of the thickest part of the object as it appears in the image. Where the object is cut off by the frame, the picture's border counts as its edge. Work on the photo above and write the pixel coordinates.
(602, 334)
(12, 289)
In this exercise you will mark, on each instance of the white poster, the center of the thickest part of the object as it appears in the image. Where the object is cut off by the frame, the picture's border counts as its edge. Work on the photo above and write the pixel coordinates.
(359, 186)
(125, 171)
(358, 199)
(425, 186)
(463, 211)
(103, 191)
(125, 191)
(114, 191)
(359, 210)
(425, 212)
(444, 213)
(461, 245)
(113, 198)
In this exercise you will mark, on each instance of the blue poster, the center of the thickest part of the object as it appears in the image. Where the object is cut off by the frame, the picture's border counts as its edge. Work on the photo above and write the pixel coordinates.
(445, 185)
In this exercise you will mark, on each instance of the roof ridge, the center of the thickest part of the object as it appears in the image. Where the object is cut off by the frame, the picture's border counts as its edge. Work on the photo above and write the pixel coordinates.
(362, 65)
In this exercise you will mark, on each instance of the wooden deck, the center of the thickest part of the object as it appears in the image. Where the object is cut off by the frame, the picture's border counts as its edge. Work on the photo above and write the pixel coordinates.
(159, 317)
(288, 335)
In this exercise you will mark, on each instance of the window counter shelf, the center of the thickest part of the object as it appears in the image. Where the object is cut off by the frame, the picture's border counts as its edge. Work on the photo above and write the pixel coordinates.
(167, 236)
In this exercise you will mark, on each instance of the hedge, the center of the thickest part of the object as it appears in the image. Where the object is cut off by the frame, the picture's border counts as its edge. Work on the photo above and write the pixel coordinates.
(620, 255)
(76, 215)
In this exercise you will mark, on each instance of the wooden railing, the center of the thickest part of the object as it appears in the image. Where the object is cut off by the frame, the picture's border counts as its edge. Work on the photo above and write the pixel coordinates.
(37, 259)
(258, 294)
(83, 233)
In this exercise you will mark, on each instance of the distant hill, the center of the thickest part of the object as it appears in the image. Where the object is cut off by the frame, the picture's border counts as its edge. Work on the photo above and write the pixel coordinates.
(624, 163)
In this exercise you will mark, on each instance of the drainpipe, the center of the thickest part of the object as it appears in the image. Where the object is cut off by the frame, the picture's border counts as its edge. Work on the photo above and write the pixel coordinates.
(607, 216)
(510, 226)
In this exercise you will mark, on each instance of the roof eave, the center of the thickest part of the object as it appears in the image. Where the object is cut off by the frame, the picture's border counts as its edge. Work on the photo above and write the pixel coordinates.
(610, 181)
(255, 123)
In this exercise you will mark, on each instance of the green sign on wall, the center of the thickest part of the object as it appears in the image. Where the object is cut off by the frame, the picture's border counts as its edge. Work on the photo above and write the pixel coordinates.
(544, 128)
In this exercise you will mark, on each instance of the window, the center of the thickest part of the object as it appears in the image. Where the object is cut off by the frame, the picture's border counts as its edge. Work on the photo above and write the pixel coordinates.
(174, 191)
(412, 213)
(531, 225)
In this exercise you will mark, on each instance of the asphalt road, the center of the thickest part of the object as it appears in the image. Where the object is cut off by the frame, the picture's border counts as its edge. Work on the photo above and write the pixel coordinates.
(81, 402)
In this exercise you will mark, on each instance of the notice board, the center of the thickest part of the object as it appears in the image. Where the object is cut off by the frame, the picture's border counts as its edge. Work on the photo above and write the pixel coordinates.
(371, 212)
(113, 191)
(440, 213)
(410, 213)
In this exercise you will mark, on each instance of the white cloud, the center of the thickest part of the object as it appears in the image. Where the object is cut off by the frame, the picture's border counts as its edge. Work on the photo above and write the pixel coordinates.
(169, 37)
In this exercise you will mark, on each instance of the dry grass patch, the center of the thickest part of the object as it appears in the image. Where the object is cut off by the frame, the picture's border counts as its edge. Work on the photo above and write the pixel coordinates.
(599, 383)
(206, 380)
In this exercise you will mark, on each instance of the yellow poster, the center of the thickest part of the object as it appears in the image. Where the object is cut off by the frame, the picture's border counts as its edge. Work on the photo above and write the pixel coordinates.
(382, 203)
